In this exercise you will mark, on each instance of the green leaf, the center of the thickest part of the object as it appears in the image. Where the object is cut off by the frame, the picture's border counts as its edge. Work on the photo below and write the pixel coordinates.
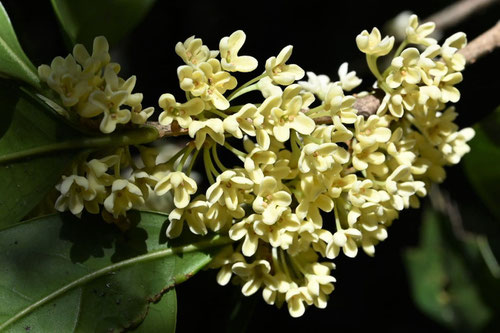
(442, 284)
(36, 146)
(161, 316)
(482, 162)
(82, 20)
(26, 128)
(13, 61)
(63, 274)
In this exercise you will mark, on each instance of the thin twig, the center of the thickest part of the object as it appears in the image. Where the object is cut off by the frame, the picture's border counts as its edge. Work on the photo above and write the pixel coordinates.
(458, 12)
(482, 45)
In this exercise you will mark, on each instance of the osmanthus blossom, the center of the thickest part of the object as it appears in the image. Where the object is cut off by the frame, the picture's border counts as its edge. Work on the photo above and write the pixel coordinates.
(193, 214)
(271, 200)
(89, 86)
(284, 120)
(229, 48)
(449, 51)
(405, 68)
(243, 121)
(310, 178)
(344, 239)
(244, 230)
(228, 189)
(200, 129)
(92, 63)
(182, 113)
(348, 80)
(282, 73)
(193, 52)
(372, 43)
(182, 186)
(123, 197)
(65, 77)
(339, 105)
(76, 194)
(321, 157)
(418, 33)
(319, 84)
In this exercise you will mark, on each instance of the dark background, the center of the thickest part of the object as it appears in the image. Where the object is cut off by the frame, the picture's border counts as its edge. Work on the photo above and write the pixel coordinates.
(371, 293)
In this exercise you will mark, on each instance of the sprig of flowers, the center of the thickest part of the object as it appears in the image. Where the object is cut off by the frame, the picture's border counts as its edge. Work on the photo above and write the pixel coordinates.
(302, 192)
(89, 87)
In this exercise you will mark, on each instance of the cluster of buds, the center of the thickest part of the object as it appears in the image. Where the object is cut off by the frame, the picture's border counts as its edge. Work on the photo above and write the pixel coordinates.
(299, 191)
(88, 86)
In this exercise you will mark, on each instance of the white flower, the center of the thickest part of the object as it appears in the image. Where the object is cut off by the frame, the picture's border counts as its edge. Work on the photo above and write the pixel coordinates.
(373, 44)
(124, 196)
(280, 72)
(181, 184)
(213, 127)
(348, 80)
(318, 84)
(229, 48)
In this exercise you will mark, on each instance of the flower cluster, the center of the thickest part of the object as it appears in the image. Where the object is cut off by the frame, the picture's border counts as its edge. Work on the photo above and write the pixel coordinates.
(89, 87)
(294, 191)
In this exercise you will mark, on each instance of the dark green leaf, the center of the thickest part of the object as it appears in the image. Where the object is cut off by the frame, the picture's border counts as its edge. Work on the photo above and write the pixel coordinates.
(442, 284)
(25, 127)
(13, 61)
(161, 316)
(482, 162)
(82, 20)
(63, 274)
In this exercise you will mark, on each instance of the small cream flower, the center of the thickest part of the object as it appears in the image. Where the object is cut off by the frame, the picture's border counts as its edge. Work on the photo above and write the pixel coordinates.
(296, 297)
(109, 104)
(280, 72)
(373, 44)
(405, 68)
(319, 84)
(193, 52)
(345, 239)
(348, 80)
(321, 157)
(267, 88)
(216, 84)
(245, 229)
(339, 105)
(418, 34)
(100, 55)
(371, 131)
(291, 118)
(140, 116)
(281, 233)
(182, 185)
(271, 201)
(65, 77)
(362, 191)
(193, 214)
(229, 48)
(123, 197)
(229, 189)
(254, 275)
(181, 113)
(243, 121)
(451, 45)
(213, 127)
(76, 194)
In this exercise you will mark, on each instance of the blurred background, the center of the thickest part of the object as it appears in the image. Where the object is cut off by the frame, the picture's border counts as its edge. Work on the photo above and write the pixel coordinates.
(438, 270)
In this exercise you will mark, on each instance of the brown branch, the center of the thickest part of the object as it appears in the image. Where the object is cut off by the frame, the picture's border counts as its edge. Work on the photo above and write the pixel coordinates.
(458, 12)
(169, 130)
(368, 105)
(482, 45)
